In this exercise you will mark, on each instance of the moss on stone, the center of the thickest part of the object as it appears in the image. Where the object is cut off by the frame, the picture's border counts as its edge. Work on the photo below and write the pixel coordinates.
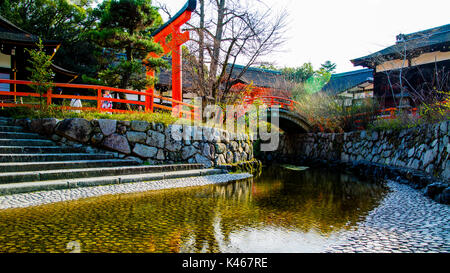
(253, 166)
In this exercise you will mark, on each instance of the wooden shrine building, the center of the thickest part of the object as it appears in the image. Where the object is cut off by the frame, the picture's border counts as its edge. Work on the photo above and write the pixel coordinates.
(14, 57)
(410, 72)
(352, 87)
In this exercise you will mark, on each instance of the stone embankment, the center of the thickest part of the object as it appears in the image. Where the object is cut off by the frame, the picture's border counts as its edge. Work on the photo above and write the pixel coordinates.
(147, 142)
(416, 156)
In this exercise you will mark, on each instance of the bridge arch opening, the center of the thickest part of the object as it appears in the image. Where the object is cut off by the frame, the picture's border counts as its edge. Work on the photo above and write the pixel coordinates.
(288, 121)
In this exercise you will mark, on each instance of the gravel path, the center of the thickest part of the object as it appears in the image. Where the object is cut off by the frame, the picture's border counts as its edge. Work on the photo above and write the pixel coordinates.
(46, 197)
(405, 221)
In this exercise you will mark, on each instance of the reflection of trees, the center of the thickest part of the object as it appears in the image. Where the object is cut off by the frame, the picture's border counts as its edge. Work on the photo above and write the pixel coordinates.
(188, 219)
(319, 199)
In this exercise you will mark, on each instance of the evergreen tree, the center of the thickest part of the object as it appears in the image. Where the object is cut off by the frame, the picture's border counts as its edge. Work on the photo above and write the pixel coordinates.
(299, 74)
(123, 30)
(40, 70)
(328, 66)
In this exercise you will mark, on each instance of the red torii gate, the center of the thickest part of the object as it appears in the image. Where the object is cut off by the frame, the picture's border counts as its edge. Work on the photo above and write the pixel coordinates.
(172, 28)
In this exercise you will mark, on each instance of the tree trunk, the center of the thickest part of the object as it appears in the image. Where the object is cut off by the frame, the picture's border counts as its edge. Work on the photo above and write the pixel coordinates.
(217, 44)
(124, 84)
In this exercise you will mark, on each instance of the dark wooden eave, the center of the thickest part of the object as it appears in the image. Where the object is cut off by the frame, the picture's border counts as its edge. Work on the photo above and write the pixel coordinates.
(430, 40)
(12, 34)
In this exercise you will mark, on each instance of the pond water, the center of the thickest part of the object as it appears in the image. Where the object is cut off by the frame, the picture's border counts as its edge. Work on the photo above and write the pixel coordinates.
(281, 210)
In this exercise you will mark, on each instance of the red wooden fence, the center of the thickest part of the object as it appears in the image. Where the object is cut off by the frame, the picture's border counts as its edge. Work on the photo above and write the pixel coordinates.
(148, 105)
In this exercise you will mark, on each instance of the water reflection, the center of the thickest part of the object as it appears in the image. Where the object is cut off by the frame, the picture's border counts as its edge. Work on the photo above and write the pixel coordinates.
(282, 210)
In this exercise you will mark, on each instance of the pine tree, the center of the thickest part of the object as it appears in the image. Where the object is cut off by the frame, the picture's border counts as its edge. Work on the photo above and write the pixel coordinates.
(328, 66)
(123, 31)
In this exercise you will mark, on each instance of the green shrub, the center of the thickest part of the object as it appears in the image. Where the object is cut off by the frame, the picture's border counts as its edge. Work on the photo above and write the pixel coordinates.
(326, 113)
(402, 121)
(438, 110)
(40, 71)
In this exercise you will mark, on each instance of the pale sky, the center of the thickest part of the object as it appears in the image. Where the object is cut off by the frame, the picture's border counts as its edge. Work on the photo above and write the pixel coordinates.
(341, 30)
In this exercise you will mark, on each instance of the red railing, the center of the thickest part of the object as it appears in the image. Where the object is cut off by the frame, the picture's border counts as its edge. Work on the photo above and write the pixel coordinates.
(270, 101)
(147, 106)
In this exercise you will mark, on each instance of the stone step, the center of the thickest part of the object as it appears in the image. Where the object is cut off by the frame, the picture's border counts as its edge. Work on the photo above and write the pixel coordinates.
(38, 149)
(51, 157)
(15, 177)
(20, 135)
(6, 128)
(58, 165)
(24, 187)
(26, 142)
(6, 121)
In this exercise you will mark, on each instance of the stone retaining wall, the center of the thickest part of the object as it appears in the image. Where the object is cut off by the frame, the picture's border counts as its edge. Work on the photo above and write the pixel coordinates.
(425, 148)
(149, 142)
(417, 156)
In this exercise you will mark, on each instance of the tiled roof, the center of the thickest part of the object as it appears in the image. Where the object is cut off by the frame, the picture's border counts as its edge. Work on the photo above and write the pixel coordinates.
(10, 33)
(165, 76)
(260, 77)
(437, 38)
(345, 81)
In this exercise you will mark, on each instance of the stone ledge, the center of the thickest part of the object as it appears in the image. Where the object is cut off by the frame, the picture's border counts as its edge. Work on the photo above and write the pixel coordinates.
(148, 142)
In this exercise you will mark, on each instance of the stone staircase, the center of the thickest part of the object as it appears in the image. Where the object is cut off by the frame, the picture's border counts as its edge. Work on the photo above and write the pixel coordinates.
(30, 162)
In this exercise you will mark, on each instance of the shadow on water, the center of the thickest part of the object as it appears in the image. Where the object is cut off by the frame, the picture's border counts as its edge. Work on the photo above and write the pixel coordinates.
(279, 211)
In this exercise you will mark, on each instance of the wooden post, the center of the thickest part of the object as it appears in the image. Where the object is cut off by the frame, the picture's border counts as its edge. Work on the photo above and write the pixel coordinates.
(15, 78)
(149, 93)
(49, 96)
(152, 100)
(176, 77)
(99, 99)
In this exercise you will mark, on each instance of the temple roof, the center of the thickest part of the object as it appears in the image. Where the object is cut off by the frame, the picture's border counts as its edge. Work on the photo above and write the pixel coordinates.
(63, 71)
(10, 33)
(165, 76)
(434, 39)
(259, 76)
(345, 81)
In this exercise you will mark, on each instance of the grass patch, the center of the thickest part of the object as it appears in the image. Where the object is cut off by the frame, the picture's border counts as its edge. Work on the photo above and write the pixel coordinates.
(52, 111)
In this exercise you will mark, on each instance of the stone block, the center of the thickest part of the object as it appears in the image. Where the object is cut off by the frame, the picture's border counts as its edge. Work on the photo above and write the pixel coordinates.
(139, 125)
(107, 126)
(145, 151)
(188, 151)
(203, 160)
(77, 129)
(155, 139)
(117, 143)
(220, 148)
(136, 137)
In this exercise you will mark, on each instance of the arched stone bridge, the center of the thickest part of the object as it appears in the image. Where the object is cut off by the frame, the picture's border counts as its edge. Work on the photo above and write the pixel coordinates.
(289, 120)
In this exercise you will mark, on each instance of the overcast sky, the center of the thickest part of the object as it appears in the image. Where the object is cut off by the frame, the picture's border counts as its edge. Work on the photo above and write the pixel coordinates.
(341, 30)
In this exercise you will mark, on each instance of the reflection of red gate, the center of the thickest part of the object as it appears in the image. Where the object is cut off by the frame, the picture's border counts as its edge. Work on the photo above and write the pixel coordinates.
(170, 37)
